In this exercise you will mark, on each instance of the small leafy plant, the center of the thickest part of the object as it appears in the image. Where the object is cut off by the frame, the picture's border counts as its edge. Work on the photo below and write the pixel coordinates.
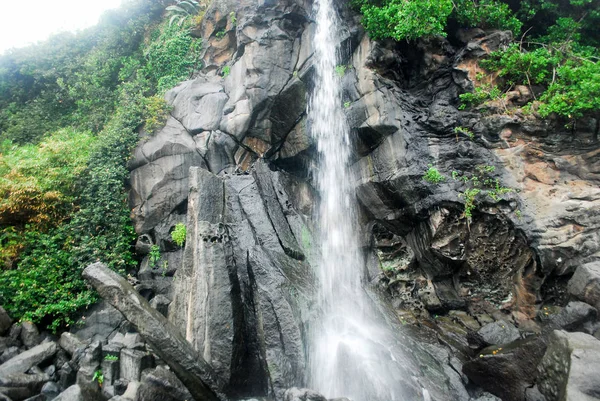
(221, 34)
(98, 377)
(111, 358)
(464, 131)
(179, 234)
(433, 176)
(226, 71)
(154, 255)
(340, 70)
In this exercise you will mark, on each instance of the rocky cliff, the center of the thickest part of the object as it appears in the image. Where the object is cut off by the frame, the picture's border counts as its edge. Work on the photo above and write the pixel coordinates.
(233, 164)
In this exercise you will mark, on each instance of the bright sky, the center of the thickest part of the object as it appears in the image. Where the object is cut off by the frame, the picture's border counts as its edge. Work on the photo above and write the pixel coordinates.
(30, 21)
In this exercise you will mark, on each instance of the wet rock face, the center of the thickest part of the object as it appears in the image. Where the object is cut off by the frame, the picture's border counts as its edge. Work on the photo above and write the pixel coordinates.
(233, 164)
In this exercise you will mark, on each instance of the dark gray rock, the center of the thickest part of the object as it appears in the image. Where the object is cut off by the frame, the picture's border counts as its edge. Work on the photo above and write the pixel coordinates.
(5, 321)
(509, 370)
(499, 333)
(569, 368)
(533, 394)
(34, 382)
(9, 353)
(133, 362)
(4, 397)
(72, 393)
(98, 323)
(17, 393)
(302, 394)
(585, 284)
(161, 304)
(573, 316)
(162, 385)
(67, 375)
(487, 397)
(50, 391)
(30, 335)
(71, 343)
(164, 338)
(26, 360)
(110, 370)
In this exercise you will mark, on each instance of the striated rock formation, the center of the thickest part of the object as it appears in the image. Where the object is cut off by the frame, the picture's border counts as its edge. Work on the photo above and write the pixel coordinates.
(233, 164)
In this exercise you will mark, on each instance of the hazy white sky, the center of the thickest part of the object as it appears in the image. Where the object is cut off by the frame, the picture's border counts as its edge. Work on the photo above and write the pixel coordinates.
(30, 21)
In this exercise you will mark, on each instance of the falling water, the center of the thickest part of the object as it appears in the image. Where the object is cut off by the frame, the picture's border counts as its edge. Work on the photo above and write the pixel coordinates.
(351, 350)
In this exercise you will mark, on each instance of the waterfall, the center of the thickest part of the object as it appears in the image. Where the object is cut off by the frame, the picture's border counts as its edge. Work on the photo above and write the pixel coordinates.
(351, 351)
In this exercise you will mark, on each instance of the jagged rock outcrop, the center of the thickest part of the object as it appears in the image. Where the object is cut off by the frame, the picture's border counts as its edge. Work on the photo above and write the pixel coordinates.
(233, 164)
(166, 341)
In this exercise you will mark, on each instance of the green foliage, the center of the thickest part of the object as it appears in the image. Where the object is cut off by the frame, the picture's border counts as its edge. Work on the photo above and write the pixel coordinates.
(221, 34)
(413, 19)
(347, 104)
(38, 182)
(400, 19)
(182, 10)
(179, 234)
(572, 77)
(464, 131)
(63, 187)
(479, 185)
(433, 176)
(340, 70)
(156, 111)
(111, 358)
(154, 255)
(171, 57)
(481, 94)
(486, 14)
(233, 18)
(98, 377)
(226, 71)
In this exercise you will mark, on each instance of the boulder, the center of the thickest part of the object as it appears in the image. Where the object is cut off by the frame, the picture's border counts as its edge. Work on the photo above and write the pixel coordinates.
(30, 335)
(72, 393)
(30, 381)
(5, 321)
(499, 333)
(50, 391)
(302, 394)
(25, 361)
(573, 316)
(190, 367)
(70, 342)
(509, 370)
(9, 353)
(98, 323)
(570, 367)
(585, 284)
(133, 362)
(162, 385)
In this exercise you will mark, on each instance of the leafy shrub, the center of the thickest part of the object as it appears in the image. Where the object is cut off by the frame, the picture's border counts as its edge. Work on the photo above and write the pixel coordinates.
(179, 234)
(481, 94)
(433, 176)
(170, 57)
(154, 255)
(413, 19)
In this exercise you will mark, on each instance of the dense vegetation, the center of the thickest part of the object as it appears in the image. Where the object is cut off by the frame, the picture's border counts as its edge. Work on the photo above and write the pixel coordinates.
(556, 49)
(71, 109)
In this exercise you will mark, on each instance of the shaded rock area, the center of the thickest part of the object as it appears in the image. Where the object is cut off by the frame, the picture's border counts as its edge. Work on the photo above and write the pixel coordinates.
(498, 303)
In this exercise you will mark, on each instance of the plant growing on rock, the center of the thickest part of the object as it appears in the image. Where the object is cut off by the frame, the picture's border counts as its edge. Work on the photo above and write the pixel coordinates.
(433, 176)
(478, 186)
(98, 377)
(179, 234)
(154, 255)
(182, 10)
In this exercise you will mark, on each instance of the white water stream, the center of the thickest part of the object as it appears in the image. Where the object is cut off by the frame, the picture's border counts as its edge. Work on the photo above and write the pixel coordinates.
(351, 348)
